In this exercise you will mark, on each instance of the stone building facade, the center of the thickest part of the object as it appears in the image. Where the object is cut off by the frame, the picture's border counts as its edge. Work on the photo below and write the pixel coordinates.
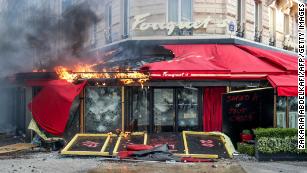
(268, 22)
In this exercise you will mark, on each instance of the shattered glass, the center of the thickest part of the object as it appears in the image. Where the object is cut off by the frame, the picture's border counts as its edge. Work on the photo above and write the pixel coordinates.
(187, 109)
(102, 109)
(164, 112)
(140, 119)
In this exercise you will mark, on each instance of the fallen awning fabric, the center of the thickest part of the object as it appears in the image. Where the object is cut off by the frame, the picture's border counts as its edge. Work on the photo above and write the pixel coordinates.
(50, 108)
(286, 85)
(212, 61)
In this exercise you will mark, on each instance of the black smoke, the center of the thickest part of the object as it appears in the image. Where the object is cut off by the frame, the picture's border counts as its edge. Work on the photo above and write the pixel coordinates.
(61, 40)
(35, 37)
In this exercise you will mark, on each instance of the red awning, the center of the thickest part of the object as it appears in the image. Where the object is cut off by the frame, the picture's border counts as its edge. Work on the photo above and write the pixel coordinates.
(282, 60)
(50, 108)
(286, 85)
(211, 61)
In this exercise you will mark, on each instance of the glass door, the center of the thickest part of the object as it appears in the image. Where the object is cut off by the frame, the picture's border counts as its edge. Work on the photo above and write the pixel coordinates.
(163, 110)
(187, 109)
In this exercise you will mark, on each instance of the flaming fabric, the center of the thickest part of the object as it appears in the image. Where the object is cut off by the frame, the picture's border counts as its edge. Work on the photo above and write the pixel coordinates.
(50, 108)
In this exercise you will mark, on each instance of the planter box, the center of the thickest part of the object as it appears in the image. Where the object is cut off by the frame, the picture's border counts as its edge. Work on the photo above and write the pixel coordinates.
(281, 156)
(246, 137)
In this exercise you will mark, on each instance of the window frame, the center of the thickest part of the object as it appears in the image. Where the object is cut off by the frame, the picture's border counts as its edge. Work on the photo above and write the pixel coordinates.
(125, 18)
(240, 18)
(258, 21)
(272, 24)
(286, 26)
(179, 19)
(258, 16)
(150, 108)
(108, 23)
(287, 118)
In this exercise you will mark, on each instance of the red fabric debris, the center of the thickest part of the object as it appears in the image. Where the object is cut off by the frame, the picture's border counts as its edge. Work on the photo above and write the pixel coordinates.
(138, 147)
(125, 154)
(50, 108)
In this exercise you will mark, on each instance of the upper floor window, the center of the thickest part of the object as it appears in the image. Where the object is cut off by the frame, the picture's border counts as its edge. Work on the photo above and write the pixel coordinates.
(125, 18)
(286, 24)
(93, 33)
(258, 21)
(272, 28)
(108, 17)
(294, 27)
(240, 17)
(179, 10)
(258, 16)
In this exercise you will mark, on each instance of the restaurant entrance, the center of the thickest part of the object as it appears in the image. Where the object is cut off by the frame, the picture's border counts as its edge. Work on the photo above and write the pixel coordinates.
(164, 109)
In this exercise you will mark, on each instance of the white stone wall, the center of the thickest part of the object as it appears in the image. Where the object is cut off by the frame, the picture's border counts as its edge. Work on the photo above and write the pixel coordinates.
(218, 10)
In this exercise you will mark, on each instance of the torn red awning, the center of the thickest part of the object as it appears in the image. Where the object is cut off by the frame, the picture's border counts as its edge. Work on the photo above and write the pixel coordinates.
(50, 108)
(211, 61)
(282, 60)
(286, 85)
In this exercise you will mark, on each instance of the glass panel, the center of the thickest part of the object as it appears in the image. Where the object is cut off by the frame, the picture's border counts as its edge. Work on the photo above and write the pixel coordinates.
(186, 10)
(102, 109)
(140, 120)
(164, 112)
(292, 112)
(173, 10)
(187, 109)
(281, 111)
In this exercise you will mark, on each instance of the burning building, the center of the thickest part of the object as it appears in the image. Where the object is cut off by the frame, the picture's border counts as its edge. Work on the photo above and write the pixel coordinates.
(168, 66)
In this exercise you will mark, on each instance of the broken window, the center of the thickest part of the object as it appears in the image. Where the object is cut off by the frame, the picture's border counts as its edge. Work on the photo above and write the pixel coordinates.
(102, 109)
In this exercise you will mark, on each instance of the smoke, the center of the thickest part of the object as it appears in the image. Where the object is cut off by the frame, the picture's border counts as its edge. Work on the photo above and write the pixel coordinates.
(38, 37)
(35, 37)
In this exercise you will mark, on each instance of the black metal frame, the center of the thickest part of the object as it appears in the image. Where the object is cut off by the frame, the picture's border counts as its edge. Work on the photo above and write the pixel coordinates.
(150, 106)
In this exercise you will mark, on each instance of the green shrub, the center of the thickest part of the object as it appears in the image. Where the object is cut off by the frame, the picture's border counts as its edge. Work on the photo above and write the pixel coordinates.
(275, 132)
(245, 148)
(277, 140)
(246, 131)
(278, 145)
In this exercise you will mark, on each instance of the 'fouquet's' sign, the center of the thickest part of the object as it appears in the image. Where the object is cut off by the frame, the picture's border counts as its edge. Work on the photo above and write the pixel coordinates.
(141, 24)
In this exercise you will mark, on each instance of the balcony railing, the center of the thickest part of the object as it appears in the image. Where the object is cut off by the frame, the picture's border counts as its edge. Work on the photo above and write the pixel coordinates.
(272, 41)
(258, 35)
(240, 29)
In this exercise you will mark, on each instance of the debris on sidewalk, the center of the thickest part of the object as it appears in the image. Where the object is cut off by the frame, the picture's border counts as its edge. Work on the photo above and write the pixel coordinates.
(8, 149)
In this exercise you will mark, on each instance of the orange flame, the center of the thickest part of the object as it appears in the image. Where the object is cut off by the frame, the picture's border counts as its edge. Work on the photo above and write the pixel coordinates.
(85, 71)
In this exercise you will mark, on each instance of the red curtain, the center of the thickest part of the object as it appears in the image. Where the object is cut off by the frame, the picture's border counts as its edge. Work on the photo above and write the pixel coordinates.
(50, 108)
(212, 117)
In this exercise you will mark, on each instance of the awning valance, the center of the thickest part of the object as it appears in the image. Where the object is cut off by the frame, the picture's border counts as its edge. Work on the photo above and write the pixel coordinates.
(286, 85)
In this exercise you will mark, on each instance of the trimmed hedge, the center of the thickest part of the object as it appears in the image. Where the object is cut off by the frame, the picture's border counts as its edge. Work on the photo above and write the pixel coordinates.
(278, 145)
(245, 148)
(275, 132)
(277, 140)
